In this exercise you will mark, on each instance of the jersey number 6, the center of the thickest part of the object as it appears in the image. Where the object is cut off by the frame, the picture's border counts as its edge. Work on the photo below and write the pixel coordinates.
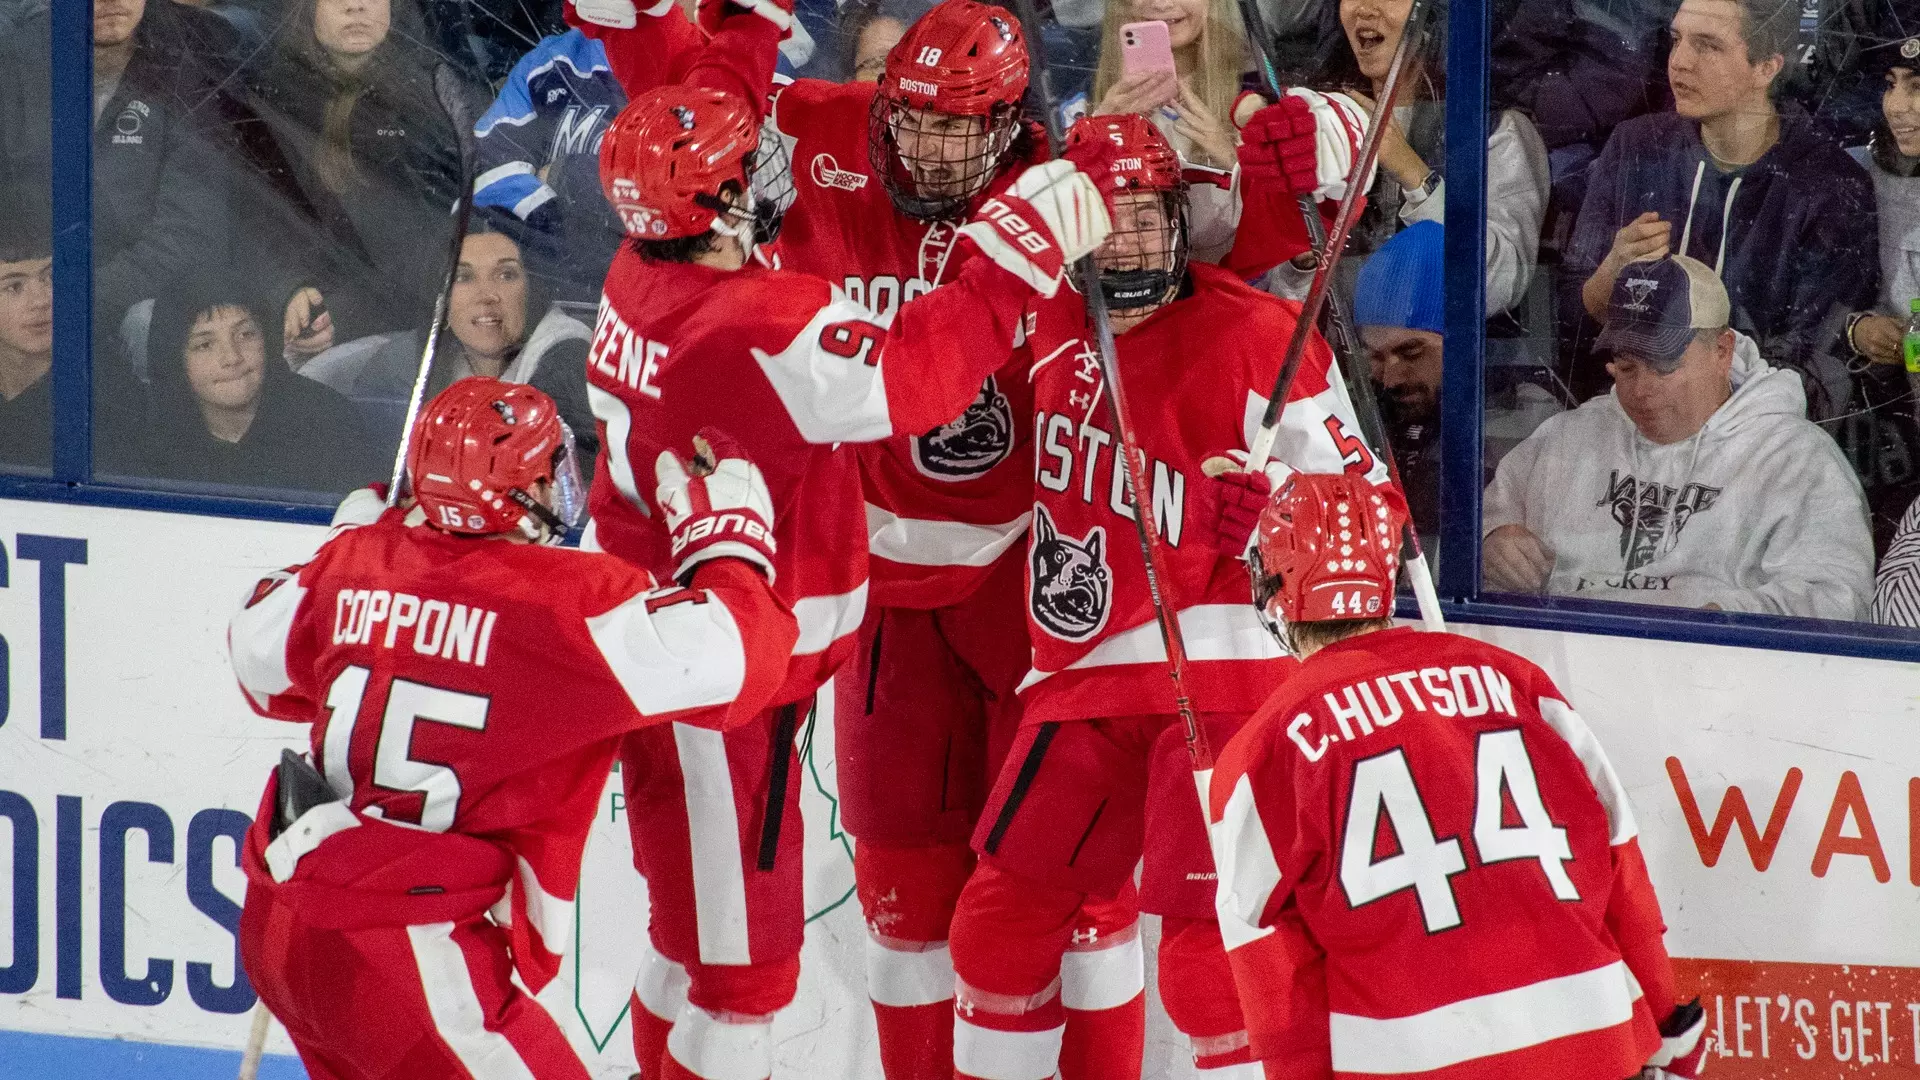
(394, 767)
(1426, 864)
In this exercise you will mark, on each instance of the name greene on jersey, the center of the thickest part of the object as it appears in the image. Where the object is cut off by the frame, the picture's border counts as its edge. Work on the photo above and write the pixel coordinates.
(433, 627)
(624, 356)
(1376, 704)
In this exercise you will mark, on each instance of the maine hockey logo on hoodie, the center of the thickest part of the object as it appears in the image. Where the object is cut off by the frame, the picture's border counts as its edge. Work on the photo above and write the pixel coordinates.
(971, 445)
(1645, 511)
(1072, 588)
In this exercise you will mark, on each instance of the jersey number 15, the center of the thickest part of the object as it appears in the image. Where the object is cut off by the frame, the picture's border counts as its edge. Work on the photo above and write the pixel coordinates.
(394, 767)
(1426, 864)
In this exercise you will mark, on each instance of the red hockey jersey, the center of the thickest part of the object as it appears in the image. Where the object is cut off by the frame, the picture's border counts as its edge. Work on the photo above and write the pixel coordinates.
(1197, 374)
(1429, 869)
(944, 505)
(475, 691)
(792, 369)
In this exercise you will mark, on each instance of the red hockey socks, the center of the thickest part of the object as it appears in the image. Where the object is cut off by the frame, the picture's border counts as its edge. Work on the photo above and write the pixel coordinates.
(908, 895)
(1103, 986)
(1009, 933)
(1197, 988)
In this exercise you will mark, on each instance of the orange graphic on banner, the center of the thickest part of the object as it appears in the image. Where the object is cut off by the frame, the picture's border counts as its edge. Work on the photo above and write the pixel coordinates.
(1781, 1021)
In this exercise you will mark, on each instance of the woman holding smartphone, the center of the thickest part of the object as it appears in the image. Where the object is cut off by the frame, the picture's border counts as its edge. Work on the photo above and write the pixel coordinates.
(1180, 64)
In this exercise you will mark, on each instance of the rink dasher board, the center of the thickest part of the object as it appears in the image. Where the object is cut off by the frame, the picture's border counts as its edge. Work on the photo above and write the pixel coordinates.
(145, 732)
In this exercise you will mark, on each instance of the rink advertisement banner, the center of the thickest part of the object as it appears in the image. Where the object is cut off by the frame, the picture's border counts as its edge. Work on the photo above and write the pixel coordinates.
(1777, 797)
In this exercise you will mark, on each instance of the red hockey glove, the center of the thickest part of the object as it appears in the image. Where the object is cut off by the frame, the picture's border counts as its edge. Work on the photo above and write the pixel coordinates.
(1230, 504)
(1050, 216)
(1280, 145)
(711, 13)
(716, 506)
(1683, 1045)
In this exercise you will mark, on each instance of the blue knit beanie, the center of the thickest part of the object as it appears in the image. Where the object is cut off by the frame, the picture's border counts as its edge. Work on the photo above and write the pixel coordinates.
(1402, 283)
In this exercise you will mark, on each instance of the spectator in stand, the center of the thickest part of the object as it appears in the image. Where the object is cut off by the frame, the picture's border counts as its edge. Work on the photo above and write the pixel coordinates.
(871, 28)
(26, 331)
(221, 412)
(1195, 108)
(1411, 185)
(159, 179)
(1399, 309)
(1754, 190)
(539, 158)
(1698, 482)
(371, 131)
(1896, 592)
(500, 323)
(1879, 432)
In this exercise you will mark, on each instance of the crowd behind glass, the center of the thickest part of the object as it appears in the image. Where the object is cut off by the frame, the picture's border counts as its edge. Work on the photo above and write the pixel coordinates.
(271, 226)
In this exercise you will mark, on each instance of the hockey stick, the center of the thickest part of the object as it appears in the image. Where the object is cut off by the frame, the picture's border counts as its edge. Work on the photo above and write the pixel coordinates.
(256, 1042)
(1341, 334)
(462, 212)
(1128, 447)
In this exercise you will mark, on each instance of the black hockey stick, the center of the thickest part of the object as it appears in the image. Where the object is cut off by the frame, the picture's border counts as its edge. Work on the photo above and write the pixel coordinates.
(1341, 334)
(1129, 447)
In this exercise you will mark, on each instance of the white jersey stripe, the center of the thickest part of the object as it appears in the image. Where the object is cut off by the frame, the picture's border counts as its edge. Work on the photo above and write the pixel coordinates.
(926, 542)
(829, 396)
(904, 978)
(1212, 632)
(550, 916)
(826, 619)
(713, 837)
(1485, 1026)
(1103, 978)
(611, 411)
(1006, 1055)
(456, 1010)
(257, 637)
(1249, 872)
(1613, 795)
(680, 656)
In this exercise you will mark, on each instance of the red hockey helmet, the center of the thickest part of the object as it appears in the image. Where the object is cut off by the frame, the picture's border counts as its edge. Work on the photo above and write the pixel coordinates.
(1144, 258)
(963, 60)
(666, 156)
(479, 448)
(1328, 546)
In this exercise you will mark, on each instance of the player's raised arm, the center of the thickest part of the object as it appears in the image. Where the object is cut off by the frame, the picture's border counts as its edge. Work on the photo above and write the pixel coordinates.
(712, 649)
(734, 48)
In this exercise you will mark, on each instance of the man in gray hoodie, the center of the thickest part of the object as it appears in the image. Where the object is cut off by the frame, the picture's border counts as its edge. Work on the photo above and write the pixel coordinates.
(1698, 482)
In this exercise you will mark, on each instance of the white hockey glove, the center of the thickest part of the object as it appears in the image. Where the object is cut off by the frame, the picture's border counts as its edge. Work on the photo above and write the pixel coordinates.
(1050, 216)
(716, 506)
(618, 14)
(1683, 1045)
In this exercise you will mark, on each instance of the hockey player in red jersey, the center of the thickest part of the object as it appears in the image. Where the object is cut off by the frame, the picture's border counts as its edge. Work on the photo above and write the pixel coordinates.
(1098, 768)
(884, 176)
(1427, 865)
(692, 334)
(410, 886)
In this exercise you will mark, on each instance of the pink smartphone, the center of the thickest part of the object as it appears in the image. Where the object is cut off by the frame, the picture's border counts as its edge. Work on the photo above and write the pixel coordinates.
(1145, 48)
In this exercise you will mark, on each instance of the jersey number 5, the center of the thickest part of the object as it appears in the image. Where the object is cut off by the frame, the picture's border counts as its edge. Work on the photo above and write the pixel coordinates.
(1426, 864)
(394, 767)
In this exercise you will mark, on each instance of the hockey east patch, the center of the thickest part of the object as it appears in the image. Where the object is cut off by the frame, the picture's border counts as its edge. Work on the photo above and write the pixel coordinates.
(972, 444)
(1072, 589)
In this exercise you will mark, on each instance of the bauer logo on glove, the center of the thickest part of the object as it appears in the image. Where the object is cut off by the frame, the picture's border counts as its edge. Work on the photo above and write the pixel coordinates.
(716, 505)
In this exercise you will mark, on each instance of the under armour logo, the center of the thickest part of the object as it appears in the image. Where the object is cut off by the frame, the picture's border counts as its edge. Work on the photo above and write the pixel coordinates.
(1089, 936)
(1638, 290)
(1080, 400)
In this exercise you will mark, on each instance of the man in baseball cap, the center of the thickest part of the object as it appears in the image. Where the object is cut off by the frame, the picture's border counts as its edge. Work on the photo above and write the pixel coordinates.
(1699, 482)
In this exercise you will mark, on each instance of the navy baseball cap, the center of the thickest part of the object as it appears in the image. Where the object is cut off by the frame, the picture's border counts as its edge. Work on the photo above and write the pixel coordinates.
(1658, 305)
